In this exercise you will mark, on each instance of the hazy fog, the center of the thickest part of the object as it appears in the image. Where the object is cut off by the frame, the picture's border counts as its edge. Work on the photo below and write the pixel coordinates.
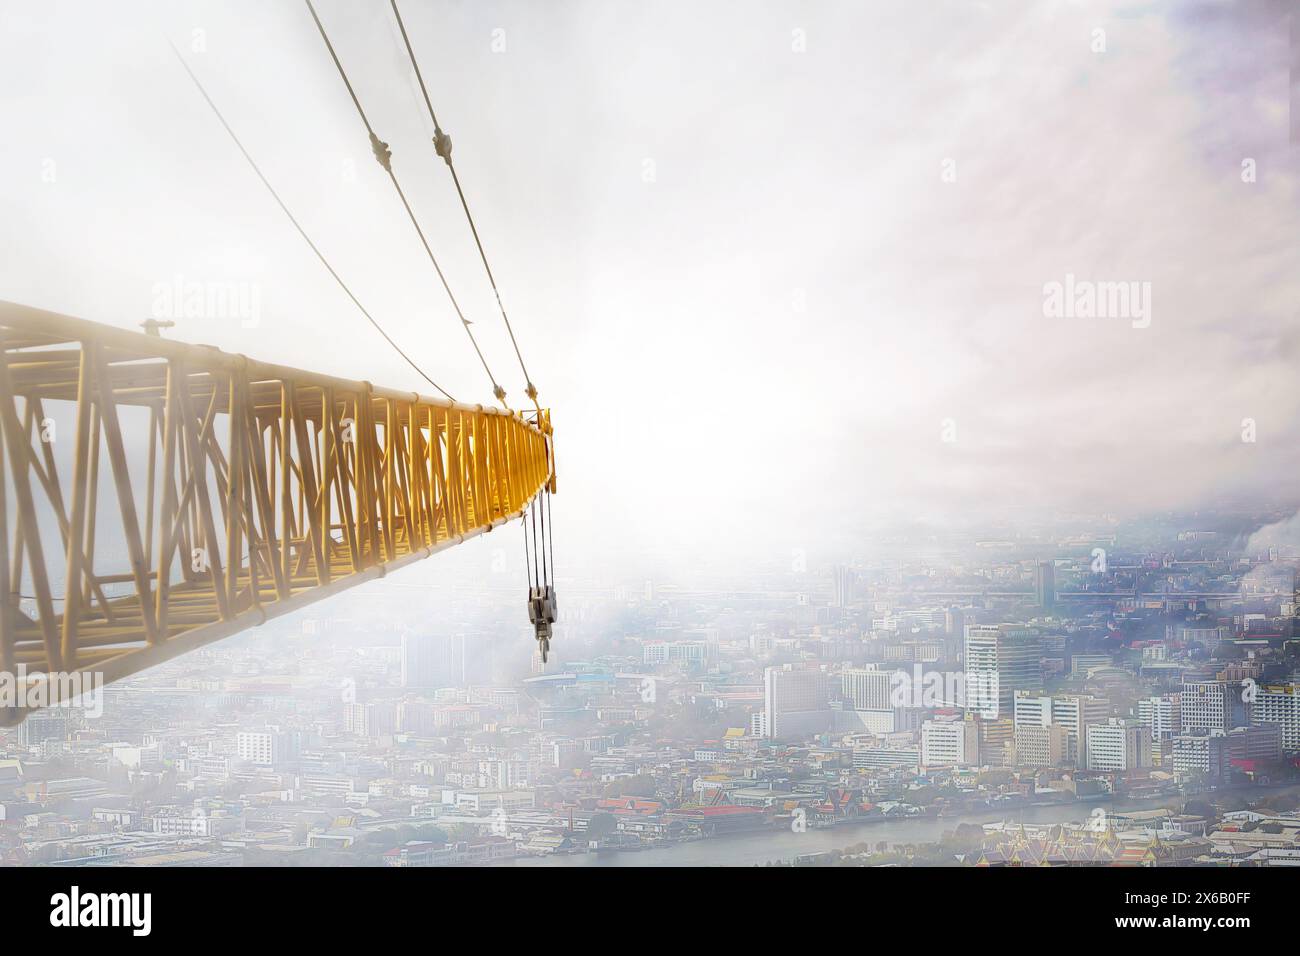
(763, 258)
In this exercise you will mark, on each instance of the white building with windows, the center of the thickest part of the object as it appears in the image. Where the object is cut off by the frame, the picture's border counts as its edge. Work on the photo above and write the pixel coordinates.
(1073, 712)
(1212, 705)
(867, 688)
(1118, 744)
(951, 742)
(1000, 659)
(1162, 715)
(1040, 745)
(670, 652)
(260, 748)
(1280, 704)
(796, 702)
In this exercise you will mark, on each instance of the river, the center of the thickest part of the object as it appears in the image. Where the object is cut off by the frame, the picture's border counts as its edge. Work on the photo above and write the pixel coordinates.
(756, 848)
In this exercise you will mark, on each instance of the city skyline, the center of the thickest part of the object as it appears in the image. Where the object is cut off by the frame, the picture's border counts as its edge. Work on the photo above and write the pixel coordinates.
(1170, 671)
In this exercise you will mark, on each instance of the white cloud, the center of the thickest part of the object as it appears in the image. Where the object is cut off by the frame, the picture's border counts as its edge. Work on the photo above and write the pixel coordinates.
(759, 346)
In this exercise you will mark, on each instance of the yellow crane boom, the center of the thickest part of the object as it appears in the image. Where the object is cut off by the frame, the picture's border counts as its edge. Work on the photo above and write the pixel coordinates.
(239, 491)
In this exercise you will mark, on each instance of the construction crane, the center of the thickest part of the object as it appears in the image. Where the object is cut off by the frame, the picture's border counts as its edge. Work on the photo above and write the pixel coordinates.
(240, 491)
(245, 490)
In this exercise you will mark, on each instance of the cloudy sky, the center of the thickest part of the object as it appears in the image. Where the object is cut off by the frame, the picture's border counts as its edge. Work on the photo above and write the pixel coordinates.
(778, 267)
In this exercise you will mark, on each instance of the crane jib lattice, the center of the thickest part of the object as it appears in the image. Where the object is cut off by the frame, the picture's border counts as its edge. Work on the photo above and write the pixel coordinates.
(158, 496)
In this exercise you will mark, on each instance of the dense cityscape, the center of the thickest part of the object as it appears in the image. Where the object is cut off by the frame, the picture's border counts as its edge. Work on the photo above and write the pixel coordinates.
(1089, 690)
(450, 451)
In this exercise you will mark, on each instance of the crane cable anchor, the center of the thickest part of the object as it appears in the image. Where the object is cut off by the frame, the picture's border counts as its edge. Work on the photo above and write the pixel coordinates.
(442, 145)
(383, 155)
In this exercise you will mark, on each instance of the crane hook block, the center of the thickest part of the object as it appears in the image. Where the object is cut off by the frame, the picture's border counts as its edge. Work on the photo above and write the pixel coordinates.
(541, 613)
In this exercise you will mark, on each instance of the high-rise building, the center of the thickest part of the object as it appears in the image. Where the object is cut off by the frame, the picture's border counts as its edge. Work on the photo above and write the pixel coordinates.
(949, 742)
(865, 688)
(42, 725)
(1279, 704)
(1000, 659)
(876, 700)
(1202, 755)
(1074, 712)
(997, 739)
(843, 580)
(376, 719)
(1041, 745)
(1163, 715)
(1210, 755)
(433, 660)
(1212, 705)
(954, 629)
(1260, 742)
(260, 748)
(1045, 585)
(1118, 744)
(796, 701)
(954, 622)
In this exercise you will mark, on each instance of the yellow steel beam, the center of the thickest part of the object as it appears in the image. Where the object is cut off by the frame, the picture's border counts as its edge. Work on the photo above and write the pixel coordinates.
(236, 491)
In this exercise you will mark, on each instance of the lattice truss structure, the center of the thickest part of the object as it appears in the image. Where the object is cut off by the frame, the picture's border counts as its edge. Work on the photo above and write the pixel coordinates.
(192, 493)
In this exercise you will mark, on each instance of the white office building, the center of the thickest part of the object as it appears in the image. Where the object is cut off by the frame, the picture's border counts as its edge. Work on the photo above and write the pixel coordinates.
(1212, 705)
(1073, 712)
(1039, 745)
(1000, 659)
(675, 652)
(1118, 744)
(259, 748)
(949, 743)
(1280, 704)
(796, 702)
(1162, 715)
(867, 688)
